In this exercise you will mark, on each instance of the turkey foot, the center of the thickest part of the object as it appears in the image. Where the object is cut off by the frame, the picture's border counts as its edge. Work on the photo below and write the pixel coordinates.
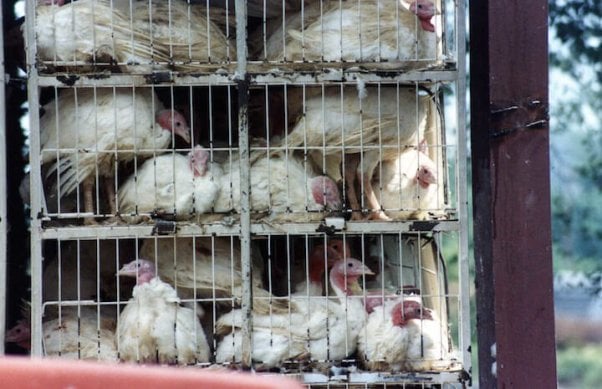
(378, 215)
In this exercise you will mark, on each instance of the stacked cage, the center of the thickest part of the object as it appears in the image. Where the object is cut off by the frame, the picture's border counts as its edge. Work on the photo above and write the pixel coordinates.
(267, 185)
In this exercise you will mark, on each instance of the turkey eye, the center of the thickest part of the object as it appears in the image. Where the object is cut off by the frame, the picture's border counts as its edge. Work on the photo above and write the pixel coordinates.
(350, 264)
(178, 124)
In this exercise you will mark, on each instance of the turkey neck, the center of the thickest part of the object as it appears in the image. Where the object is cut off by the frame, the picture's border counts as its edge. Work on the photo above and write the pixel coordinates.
(316, 270)
(344, 287)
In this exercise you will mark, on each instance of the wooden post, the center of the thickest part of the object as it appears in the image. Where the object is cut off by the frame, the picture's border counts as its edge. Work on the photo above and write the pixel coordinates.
(511, 193)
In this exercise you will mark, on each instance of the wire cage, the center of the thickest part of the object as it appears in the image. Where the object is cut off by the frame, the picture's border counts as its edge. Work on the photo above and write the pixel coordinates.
(284, 200)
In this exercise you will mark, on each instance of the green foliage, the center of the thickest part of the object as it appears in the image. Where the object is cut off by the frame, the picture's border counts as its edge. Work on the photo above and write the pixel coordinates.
(576, 30)
(576, 227)
(578, 24)
(580, 367)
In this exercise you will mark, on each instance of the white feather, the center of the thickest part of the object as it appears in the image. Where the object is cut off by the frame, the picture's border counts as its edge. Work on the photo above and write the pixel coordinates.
(370, 30)
(167, 183)
(401, 196)
(153, 327)
(84, 131)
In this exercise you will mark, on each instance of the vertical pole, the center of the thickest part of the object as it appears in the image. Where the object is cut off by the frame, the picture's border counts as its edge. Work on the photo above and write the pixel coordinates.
(3, 193)
(511, 193)
(243, 143)
(461, 190)
(35, 181)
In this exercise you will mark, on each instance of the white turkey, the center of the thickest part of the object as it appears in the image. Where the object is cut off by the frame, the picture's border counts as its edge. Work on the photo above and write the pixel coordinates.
(173, 34)
(153, 327)
(174, 184)
(282, 186)
(402, 335)
(208, 268)
(367, 30)
(180, 32)
(320, 329)
(85, 334)
(343, 130)
(81, 31)
(85, 131)
(407, 186)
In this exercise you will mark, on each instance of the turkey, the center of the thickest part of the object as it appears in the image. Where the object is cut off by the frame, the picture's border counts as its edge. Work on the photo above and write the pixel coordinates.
(81, 31)
(178, 32)
(319, 261)
(409, 185)
(281, 186)
(154, 188)
(370, 30)
(95, 128)
(208, 268)
(85, 335)
(153, 327)
(402, 335)
(320, 329)
(102, 32)
(354, 132)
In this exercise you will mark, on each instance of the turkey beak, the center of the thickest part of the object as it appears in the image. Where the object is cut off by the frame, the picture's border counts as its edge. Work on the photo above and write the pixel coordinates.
(366, 270)
(183, 133)
(128, 271)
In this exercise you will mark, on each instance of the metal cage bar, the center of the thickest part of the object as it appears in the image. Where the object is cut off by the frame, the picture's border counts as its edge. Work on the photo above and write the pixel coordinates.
(461, 182)
(3, 196)
(245, 182)
(36, 195)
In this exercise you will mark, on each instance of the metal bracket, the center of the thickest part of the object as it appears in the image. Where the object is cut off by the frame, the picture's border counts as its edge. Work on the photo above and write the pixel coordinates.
(525, 115)
(164, 227)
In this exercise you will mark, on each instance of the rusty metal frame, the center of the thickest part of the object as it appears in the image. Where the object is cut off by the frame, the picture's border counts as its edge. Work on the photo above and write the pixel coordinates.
(511, 193)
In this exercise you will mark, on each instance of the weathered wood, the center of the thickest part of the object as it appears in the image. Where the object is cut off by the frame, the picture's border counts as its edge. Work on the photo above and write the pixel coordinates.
(511, 193)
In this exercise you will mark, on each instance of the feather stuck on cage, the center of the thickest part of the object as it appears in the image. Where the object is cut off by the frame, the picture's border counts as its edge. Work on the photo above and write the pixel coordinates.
(168, 35)
(171, 184)
(282, 186)
(319, 330)
(153, 327)
(402, 335)
(373, 30)
(83, 334)
(336, 126)
(84, 132)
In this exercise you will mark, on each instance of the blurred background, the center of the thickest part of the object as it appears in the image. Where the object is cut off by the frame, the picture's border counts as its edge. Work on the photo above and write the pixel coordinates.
(576, 177)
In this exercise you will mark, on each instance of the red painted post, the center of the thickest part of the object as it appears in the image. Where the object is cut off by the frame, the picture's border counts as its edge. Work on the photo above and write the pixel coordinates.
(511, 193)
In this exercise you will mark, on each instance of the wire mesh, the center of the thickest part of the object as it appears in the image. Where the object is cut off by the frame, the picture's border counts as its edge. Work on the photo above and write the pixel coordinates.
(289, 210)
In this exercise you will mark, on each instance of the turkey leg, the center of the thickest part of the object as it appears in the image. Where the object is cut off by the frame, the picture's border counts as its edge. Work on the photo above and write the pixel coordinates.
(88, 187)
(352, 162)
(371, 161)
